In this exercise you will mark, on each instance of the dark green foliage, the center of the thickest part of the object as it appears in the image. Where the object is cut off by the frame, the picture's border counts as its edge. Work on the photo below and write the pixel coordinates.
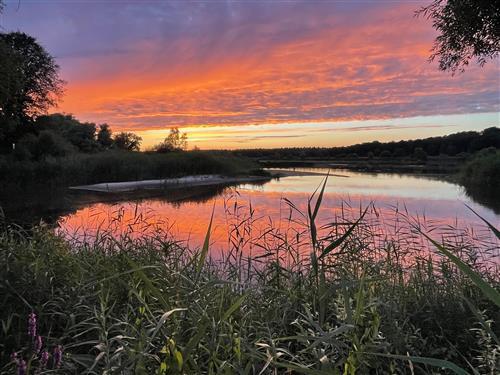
(481, 177)
(175, 141)
(399, 152)
(420, 155)
(111, 166)
(29, 86)
(127, 141)
(148, 305)
(79, 134)
(104, 136)
(451, 145)
(38, 147)
(468, 29)
(38, 85)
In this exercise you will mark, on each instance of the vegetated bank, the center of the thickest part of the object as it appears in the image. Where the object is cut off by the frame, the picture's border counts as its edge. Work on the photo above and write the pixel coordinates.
(116, 165)
(59, 151)
(480, 177)
(149, 305)
(443, 155)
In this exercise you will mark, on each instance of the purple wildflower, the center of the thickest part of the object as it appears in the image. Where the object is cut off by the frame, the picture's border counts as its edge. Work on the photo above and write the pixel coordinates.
(44, 359)
(14, 357)
(21, 367)
(58, 356)
(38, 344)
(32, 325)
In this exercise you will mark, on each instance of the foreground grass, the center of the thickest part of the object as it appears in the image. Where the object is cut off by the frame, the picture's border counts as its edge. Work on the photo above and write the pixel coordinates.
(112, 166)
(149, 306)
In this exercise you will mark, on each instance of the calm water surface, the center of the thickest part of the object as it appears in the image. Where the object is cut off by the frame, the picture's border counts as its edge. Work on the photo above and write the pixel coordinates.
(438, 203)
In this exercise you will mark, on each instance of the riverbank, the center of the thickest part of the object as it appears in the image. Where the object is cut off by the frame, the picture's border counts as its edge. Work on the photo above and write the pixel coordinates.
(440, 165)
(117, 166)
(169, 183)
(193, 181)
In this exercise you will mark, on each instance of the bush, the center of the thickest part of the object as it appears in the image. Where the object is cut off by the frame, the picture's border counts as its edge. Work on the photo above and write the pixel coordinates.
(483, 171)
(420, 155)
(481, 177)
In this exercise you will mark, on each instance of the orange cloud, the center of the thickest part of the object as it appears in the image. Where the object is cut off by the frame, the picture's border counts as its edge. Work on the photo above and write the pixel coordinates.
(156, 66)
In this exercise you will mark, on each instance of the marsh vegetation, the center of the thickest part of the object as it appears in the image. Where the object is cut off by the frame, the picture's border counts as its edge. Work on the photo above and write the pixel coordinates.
(310, 298)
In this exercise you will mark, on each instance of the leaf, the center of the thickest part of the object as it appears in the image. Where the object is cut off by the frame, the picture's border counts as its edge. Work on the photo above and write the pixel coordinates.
(163, 319)
(178, 359)
(206, 245)
(483, 323)
(320, 197)
(147, 281)
(313, 213)
(486, 288)
(340, 240)
(426, 361)
(233, 307)
(493, 229)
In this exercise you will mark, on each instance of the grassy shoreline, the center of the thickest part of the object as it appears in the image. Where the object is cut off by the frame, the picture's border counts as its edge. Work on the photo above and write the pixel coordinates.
(441, 165)
(116, 166)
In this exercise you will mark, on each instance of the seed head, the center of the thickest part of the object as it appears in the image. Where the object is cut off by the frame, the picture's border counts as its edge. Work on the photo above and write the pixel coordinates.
(32, 325)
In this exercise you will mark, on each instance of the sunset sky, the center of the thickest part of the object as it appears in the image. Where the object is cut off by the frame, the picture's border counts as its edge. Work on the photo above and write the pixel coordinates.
(245, 74)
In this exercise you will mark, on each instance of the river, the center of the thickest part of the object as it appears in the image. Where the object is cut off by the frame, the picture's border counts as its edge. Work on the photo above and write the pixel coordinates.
(245, 214)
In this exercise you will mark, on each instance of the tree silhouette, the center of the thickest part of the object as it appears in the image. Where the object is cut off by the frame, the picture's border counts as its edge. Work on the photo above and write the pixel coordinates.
(104, 137)
(175, 141)
(127, 141)
(469, 29)
(37, 74)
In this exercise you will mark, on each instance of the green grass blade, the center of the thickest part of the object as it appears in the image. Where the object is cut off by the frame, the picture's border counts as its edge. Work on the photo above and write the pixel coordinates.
(486, 288)
(313, 213)
(320, 197)
(206, 245)
(426, 361)
(341, 239)
(147, 281)
(163, 319)
(234, 307)
(483, 323)
(493, 229)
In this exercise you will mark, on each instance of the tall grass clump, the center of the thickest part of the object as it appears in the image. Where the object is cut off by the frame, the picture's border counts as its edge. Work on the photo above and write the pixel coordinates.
(300, 296)
(112, 166)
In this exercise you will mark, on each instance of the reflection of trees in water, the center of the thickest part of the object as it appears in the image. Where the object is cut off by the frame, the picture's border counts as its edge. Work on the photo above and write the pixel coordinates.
(30, 206)
(488, 199)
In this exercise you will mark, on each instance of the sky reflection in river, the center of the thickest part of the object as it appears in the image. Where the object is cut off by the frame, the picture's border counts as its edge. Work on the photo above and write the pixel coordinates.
(437, 203)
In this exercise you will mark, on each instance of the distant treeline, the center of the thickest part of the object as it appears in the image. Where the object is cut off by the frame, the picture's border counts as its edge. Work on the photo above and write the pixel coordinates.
(451, 145)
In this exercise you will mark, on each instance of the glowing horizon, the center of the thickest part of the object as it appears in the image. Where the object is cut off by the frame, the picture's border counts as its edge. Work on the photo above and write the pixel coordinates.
(258, 74)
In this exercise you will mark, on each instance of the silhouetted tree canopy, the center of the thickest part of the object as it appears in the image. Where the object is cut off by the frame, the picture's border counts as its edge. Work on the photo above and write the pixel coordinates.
(468, 29)
(81, 135)
(104, 136)
(175, 141)
(59, 135)
(37, 73)
(127, 141)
